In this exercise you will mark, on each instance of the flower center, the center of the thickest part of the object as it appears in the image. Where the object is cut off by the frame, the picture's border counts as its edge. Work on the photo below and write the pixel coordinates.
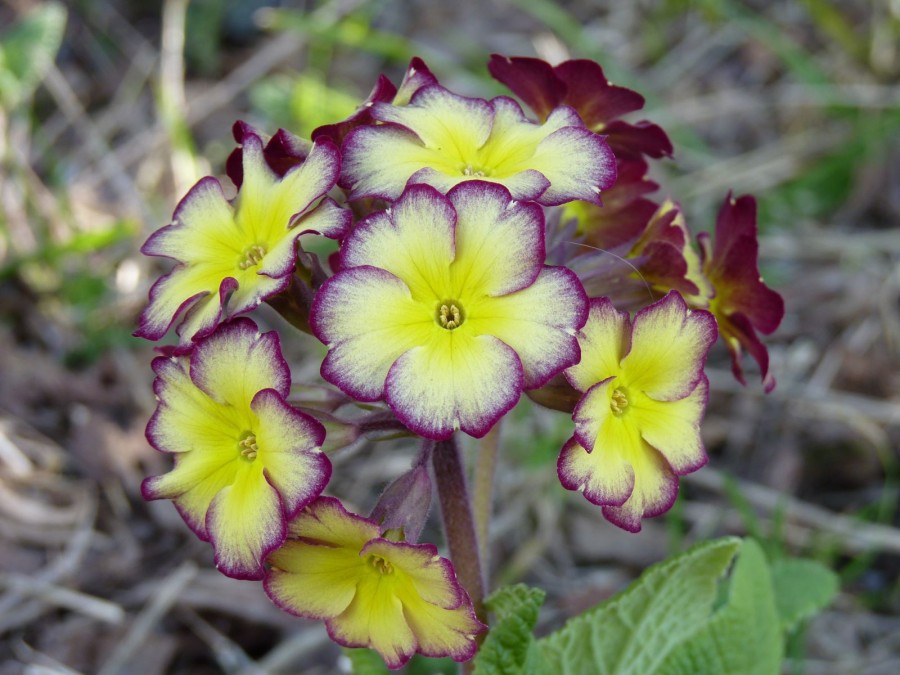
(381, 565)
(618, 402)
(252, 257)
(247, 446)
(450, 314)
(469, 170)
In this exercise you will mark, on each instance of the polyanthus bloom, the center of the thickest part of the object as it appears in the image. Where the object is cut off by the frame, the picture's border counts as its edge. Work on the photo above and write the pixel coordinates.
(637, 426)
(581, 84)
(245, 460)
(741, 301)
(396, 598)
(231, 258)
(444, 308)
(442, 139)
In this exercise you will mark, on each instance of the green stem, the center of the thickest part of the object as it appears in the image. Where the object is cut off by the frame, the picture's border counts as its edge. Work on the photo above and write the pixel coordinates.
(483, 490)
(459, 526)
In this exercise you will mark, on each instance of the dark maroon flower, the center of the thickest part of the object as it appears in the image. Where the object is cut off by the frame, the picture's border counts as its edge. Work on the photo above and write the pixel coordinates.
(742, 303)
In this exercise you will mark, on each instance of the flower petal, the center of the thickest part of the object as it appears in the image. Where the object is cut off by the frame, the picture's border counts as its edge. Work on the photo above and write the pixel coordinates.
(267, 205)
(604, 340)
(442, 119)
(193, 483)
(673, 427)
(539, 322)
(454, 380)
(328, 523)
(203, 228)
(245, 523)
(603, 476)
(655, 490)
(366, 169)
(204, 315)
(237, 361)
(375, 619)
(441, 632)
(532, 80)
(430, 576)
(290, 449)
(254, 288)
(186, 418)
(592, 412)
(669, 345)
(577, 162)
(173, 294)
(414, 240)
(328, 219)
(313, 580)
(368, 318)
(499, 242)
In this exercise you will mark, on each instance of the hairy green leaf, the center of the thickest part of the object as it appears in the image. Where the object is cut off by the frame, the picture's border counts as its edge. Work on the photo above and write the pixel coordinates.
(802, 588)
(636, 630)
(744, 636)
(509, 648)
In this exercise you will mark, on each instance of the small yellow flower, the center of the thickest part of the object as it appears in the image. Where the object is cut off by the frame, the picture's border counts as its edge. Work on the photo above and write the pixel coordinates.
(245, 460)
(396, 598)
(637, 426)
(232, 257)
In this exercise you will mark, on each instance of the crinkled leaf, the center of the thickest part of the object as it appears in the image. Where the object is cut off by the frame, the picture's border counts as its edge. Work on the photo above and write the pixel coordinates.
(744, 636)
(27, 50)
(636, 630)
(510, 648)
(802, 588)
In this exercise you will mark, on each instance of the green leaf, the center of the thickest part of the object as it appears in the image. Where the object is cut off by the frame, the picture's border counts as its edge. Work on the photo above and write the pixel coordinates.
(802, 588)
(636, 630)
(28, 49)
(365, 662)
(744, 636)
(509, 648)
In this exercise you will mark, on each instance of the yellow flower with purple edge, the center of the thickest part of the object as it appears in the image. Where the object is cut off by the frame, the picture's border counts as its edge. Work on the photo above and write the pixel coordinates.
(442, 139)
(637, 426)
(396, 598)
(444, 308)
(232, 257)
(245, 460)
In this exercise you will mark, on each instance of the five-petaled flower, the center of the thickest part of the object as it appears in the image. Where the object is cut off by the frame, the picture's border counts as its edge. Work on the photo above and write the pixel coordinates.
(442, 139)
(231, 258)
(444, 308)
(245, 460)
(396, 598)
(637, 426)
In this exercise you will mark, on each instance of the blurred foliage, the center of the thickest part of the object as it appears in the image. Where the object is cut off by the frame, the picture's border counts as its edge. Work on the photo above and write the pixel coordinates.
(300, 102)
(27, 50)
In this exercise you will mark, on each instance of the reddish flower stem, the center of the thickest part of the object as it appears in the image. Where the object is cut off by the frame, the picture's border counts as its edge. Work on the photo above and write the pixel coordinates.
(483, 491)
(459, 526)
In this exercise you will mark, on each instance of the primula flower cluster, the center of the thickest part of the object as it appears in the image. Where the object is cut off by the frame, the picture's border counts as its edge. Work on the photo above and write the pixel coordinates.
(483, 252)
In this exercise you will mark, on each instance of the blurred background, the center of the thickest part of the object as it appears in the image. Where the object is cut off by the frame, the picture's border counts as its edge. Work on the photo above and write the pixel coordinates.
(110, 111)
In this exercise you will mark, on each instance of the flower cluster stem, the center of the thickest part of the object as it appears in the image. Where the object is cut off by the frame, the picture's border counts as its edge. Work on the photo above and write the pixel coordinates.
(483, 490)
(459, 525)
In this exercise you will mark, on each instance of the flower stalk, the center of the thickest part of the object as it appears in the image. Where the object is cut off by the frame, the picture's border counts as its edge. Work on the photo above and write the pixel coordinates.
(459, 524)
(483, 490)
